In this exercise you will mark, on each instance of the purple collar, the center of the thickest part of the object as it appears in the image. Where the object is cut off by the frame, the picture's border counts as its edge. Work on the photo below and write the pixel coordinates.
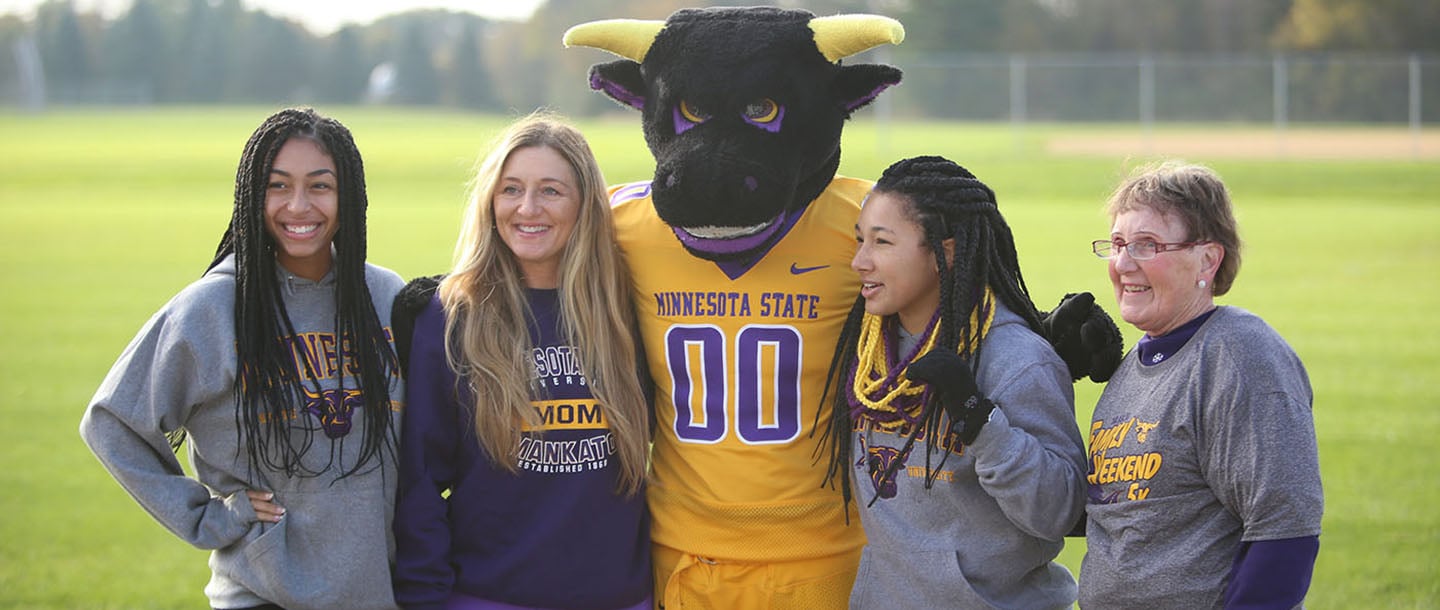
(776, 232)
(1154, 350)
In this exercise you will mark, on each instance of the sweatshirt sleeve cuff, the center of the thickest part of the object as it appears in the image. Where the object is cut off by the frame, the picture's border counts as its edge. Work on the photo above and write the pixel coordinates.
(992, 438)
(227, 526)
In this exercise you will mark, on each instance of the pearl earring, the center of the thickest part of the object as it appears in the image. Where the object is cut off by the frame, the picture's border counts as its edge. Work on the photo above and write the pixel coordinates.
(1200, 284)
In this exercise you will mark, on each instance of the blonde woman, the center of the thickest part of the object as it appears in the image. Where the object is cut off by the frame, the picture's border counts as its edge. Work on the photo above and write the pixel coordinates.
(526, 429)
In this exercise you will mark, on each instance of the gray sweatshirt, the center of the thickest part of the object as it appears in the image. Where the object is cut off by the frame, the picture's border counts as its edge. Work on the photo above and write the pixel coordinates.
(333, 547)
(987, 532)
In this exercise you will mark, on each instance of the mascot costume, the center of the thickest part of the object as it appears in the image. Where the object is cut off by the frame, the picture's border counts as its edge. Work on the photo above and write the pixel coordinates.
(740, 251)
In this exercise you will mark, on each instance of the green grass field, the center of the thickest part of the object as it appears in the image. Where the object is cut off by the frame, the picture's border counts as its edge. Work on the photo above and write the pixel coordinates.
(105, 214)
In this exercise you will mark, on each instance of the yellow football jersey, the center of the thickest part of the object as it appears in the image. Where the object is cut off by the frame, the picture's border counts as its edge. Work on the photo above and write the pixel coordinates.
(739, 367)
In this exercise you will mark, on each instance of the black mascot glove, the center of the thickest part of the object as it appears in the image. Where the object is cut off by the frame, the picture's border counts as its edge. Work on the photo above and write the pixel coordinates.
(949, 376)
(1084, 336)
(409, 302)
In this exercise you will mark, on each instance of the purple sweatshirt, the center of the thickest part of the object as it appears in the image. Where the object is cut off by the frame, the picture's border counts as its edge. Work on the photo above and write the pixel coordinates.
(555, 534)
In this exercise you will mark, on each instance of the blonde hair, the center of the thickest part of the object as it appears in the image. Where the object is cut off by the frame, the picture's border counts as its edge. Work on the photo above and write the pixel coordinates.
(1194, 194)
(486, 310)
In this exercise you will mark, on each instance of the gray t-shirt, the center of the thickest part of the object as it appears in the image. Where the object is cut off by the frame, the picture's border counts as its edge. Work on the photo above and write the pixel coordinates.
(1192, 456)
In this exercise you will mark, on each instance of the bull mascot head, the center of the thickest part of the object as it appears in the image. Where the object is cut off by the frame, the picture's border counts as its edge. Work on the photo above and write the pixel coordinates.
(742, 110)
(334, 408)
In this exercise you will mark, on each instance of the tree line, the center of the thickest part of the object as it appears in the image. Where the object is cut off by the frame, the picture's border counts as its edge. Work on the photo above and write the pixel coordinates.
(219, 51)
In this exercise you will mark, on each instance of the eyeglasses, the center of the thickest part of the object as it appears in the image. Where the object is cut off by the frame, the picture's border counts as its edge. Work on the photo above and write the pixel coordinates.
(1140, 250)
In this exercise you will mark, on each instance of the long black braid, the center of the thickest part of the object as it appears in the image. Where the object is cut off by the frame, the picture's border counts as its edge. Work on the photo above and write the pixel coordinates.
(268, 386)
(948, 203)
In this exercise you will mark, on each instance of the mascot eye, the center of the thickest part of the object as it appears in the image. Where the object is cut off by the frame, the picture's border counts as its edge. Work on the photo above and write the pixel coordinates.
(693, 113)
(765, 114)
(762, 111)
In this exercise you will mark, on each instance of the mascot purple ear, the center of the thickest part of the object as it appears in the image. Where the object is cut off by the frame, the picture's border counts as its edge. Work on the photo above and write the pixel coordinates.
(621, 81)
(628, 38)
(743, 110)
(859, 85)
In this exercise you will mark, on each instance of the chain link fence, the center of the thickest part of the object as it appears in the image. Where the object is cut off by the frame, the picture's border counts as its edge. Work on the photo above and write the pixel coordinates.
(1281, 89)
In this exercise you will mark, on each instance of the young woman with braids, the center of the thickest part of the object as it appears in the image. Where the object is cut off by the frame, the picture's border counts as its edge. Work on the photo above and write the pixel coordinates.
(527, 429)
(277, 367)
(953, 415)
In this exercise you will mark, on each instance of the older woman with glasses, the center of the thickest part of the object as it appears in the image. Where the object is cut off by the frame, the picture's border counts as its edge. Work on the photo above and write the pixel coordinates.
(1204, 480)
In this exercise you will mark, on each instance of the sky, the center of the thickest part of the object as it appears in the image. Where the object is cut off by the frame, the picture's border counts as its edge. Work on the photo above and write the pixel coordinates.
(321, 16)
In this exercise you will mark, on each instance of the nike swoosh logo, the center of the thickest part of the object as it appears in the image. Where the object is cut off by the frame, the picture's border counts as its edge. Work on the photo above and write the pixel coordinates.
(795, 270)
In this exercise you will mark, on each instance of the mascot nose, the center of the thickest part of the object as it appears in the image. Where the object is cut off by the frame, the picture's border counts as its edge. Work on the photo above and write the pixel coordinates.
(669, 178)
